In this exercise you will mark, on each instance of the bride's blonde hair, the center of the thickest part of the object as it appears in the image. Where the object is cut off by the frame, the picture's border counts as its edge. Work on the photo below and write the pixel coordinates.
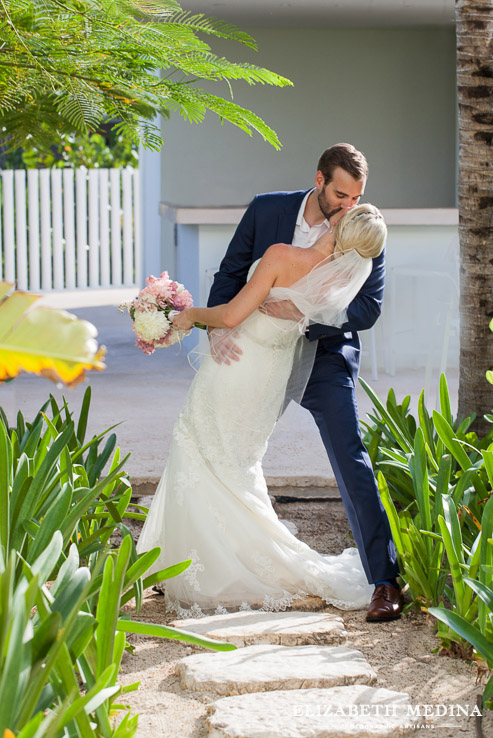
(362, 228)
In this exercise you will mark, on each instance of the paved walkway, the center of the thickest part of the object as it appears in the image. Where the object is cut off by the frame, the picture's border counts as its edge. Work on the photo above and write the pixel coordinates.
(145, 393)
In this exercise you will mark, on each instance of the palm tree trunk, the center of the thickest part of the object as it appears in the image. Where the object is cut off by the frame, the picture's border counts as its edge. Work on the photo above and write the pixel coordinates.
(474, 21)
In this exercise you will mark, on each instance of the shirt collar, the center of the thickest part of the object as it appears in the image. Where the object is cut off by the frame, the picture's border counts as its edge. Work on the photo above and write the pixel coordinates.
(301, 222)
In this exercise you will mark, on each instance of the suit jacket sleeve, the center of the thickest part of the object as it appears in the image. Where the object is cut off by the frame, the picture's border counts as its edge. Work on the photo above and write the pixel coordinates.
(366, 307)
(233, 271)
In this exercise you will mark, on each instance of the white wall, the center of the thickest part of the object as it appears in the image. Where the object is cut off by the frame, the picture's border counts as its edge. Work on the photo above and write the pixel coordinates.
(390, 92)
(420, 290)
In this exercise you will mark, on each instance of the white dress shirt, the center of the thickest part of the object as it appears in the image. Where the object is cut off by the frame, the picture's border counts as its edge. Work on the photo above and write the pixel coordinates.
(305, 235)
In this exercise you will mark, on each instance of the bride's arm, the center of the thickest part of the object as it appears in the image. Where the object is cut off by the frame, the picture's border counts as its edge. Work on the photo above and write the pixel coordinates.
(245, 302)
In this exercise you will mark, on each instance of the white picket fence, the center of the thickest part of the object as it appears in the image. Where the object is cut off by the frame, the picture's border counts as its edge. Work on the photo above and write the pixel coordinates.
(70, 228)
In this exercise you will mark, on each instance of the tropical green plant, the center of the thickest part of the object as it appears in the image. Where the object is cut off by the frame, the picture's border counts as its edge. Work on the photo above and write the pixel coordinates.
(59, 662)
(471, 633)
(449, 457)
(52, 478)
(477, 632)
(62, 585)
(420, 556)
(435, 480)
(71, 66)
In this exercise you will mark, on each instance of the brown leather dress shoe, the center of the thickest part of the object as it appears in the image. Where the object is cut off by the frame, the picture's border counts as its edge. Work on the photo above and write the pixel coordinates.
(386, 603)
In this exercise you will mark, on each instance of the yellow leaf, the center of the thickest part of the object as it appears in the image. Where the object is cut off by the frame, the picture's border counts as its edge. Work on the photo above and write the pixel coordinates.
(53, 343)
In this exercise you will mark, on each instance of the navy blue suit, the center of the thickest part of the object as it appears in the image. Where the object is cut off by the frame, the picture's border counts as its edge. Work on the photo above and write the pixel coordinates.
(329, 395)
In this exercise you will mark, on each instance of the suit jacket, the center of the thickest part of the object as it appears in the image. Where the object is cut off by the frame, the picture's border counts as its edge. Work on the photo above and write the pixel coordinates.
(271, 218)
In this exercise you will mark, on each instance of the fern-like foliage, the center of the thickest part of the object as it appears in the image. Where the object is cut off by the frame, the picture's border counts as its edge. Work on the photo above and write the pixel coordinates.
(69, 65)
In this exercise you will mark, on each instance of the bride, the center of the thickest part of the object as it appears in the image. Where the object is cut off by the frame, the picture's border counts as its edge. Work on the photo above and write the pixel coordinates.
(212, 505)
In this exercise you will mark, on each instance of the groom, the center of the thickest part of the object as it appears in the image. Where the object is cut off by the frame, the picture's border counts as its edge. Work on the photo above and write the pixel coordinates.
(300, 218)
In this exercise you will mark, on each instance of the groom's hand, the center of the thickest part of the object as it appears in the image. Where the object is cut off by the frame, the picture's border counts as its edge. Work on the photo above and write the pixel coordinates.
(284, 309)
(223, 347)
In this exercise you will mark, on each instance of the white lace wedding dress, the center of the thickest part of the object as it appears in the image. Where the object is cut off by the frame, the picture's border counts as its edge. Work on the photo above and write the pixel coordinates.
(212, 503)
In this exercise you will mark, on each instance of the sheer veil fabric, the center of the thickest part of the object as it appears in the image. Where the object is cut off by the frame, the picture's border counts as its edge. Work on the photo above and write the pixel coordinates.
(212, 504)
(321, 296)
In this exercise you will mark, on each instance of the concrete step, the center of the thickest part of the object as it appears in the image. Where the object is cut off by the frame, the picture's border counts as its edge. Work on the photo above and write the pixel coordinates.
(267, 668)
(357, 710)
(280, 628)
(143, 489)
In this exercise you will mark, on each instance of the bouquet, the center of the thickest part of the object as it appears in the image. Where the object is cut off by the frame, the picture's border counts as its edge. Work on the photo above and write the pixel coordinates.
(152, 312)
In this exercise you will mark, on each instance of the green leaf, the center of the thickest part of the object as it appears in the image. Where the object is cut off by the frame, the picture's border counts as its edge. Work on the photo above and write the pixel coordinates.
(482, 590)
(400, 436)
(467, 631)
(48, 557)
(52, 522)
(446, 433)
(422, 486)
(445, 400)
(164, 631)
(38, 486)
(453, 559)
(109, 604)
(83, 416)
(4, 487)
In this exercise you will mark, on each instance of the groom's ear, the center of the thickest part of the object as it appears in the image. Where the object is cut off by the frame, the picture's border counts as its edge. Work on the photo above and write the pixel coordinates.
(319, 180)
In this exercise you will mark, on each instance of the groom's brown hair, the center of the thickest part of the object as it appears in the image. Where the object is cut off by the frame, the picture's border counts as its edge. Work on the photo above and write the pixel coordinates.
(347, 157)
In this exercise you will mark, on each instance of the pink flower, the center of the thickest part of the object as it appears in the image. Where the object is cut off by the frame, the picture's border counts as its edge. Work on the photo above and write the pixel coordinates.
(147, 348)
(152, 278)
(182, 300)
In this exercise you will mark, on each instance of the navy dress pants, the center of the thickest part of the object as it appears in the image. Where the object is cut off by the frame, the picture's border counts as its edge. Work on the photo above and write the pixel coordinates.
(330, 397)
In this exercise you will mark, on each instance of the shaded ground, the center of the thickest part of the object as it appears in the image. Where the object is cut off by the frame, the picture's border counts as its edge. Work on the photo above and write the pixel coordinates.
(401, 652)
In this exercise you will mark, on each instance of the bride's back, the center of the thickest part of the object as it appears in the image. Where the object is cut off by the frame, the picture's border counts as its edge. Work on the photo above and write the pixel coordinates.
(294, 263)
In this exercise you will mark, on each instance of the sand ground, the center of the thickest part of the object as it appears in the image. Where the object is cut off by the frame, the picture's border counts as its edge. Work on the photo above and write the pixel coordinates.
(404, 653)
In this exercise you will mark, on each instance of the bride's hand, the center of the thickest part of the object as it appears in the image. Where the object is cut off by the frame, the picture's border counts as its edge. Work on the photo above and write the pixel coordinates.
(336, 218)
(183, 321)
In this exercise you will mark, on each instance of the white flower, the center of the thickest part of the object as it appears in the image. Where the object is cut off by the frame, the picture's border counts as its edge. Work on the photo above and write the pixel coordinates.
(147, 298)
(179, 287)
(151, 325)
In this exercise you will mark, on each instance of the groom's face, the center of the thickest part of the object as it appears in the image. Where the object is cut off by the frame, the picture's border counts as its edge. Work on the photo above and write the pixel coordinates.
(341, 193)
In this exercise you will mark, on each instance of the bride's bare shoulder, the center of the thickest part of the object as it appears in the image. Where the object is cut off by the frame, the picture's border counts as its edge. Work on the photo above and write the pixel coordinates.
(286, 251)
(288, 263)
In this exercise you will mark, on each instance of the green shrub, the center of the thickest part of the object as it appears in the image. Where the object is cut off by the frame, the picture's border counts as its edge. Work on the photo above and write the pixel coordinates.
(435, 479)
(62, 586)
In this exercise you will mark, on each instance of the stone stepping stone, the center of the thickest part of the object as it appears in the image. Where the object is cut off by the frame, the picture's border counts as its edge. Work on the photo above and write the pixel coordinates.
(265, 668)
(357, 710)
(248, 628)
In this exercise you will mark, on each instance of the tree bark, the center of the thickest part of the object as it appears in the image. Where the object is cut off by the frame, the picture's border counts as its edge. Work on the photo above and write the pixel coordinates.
(474, 23)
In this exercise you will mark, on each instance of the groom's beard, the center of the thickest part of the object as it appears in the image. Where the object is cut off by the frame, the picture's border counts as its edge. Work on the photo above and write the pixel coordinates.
(325, 207)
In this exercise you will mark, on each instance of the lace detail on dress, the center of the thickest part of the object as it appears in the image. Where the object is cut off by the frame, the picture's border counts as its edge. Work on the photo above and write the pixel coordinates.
(190, 574)
(269, 604)
(185, 481)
